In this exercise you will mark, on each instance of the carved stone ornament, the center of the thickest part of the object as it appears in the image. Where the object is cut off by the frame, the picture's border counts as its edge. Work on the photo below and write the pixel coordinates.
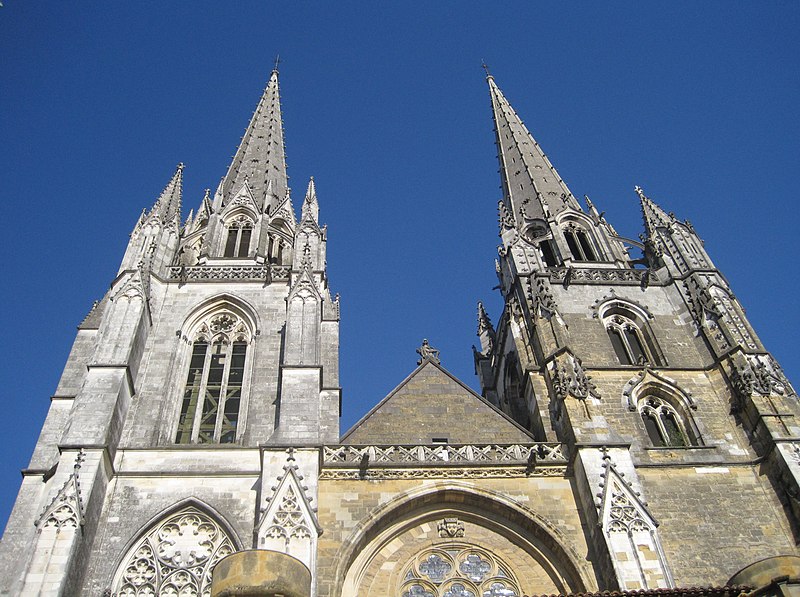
(759, 374)
(627, 277)
(427, 352)
(570, 378)
(450, 527)
(544, 303)
(175, 557)
(288, 521)
(505, 218)
(65, 510)
(619, 504)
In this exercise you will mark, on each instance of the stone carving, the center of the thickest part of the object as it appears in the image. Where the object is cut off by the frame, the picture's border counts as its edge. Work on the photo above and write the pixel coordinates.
(175, 557)
(65, 510)
(544, 303)
(508, 472)
(427, 352)
(288, 521)
(200, 273)
(759, 374)
(545, 454)
(570, 378)
(450, 527)
(505, 217)
(636, 386)
(620, 506)
(627, 277)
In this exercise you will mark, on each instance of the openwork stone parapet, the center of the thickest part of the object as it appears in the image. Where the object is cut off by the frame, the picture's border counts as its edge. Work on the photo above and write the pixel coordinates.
(637, 277)
(201, 273)
(529, 455)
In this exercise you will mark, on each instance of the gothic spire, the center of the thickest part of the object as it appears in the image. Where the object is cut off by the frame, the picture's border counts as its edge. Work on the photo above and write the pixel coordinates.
(260, 157)
(310, 204)
(530, 183)
(168, 204)
(654, 217)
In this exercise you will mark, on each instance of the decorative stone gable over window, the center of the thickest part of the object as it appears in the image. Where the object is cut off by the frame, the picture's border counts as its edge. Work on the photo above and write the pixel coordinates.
(174, 557)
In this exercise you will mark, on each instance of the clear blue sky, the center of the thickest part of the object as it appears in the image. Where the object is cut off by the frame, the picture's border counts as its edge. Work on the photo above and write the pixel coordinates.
(385, 104)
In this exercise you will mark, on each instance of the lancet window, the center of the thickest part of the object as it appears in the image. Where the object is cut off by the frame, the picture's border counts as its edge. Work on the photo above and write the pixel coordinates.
(579, 243)
(212, 394)
(630, 338)
(664, 425)
(174, 557)
(240, 230)
(457, 571)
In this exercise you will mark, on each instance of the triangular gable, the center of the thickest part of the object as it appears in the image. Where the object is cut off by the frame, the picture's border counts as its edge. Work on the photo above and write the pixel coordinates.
(431, 404)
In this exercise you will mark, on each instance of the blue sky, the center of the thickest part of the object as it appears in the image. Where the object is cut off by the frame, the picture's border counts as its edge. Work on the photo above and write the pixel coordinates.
(385, 104)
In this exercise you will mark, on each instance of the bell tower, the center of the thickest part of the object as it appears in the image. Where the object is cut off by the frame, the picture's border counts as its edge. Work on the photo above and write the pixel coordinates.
(197, 393)
(646, 368)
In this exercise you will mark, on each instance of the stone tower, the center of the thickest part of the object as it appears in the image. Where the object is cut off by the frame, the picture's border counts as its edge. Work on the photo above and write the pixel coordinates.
(681, 428)
(215, 348)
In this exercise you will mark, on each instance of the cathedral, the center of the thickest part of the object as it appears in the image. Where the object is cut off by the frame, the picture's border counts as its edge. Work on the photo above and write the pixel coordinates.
(632, 433)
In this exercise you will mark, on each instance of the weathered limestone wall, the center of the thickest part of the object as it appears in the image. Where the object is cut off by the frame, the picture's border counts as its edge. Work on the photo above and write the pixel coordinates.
(373, 528)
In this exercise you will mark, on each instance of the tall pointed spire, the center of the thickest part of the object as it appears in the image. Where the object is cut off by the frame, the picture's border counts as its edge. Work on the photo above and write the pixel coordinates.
(168, 204)
(531, 185)
(654, 217)
(260, 157)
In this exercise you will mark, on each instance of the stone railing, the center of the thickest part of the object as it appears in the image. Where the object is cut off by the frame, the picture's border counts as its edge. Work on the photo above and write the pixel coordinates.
(434, 455)
(200, 273)
(569, 275)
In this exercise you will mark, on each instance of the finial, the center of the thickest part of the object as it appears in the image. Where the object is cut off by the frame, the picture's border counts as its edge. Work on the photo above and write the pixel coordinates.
(180, 167)
(486, 68)
(640, 192)
(277, 62)
(427, 353)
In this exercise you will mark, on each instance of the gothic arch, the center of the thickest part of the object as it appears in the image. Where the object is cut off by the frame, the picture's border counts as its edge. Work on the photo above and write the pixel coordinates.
(649, 384)
(244, 328)
(518, 526)
(138, 564)
(623, 317)
(237, 305)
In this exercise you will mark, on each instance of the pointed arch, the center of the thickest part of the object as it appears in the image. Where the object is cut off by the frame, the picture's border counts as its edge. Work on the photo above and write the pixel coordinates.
(628, 328)
(664, 408)
(519, 526)
(175, 550)
(214, 373)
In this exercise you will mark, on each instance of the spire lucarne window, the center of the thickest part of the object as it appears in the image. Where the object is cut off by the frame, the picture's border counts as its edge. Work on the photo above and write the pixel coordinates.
(212, 394)
(238, 242)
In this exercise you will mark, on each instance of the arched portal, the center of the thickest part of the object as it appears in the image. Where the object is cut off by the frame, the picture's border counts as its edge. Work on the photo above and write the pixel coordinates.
(477, 541)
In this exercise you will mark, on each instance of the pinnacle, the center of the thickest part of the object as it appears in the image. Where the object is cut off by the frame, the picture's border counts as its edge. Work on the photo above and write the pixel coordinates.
(652, 214)
(310, 204)
(168, 204)
(484, 323)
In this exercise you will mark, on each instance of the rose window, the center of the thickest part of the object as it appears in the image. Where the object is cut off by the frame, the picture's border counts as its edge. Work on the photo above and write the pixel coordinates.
(457, 571)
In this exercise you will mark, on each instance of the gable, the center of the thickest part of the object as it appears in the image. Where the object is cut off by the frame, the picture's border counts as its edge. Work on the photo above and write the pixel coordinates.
(432, 404)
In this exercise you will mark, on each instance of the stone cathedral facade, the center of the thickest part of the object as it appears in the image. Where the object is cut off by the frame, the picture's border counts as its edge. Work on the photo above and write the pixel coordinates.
(632, 432)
